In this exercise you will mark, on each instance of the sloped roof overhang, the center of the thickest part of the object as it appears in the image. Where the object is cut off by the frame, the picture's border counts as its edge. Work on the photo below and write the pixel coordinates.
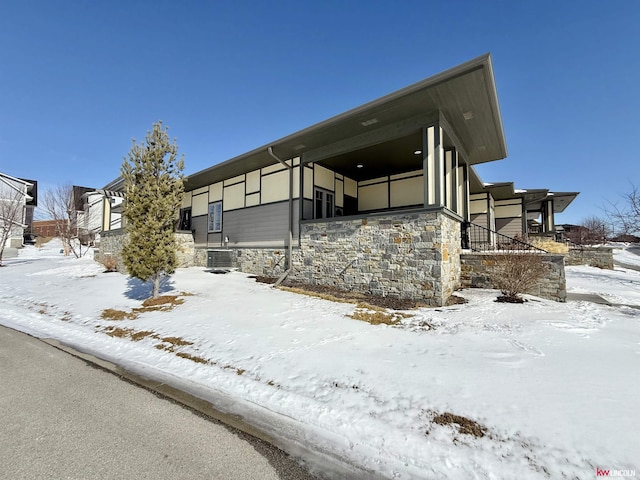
(463, 97)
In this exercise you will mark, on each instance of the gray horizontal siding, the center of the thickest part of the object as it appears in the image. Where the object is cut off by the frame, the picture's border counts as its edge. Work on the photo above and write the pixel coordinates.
(263, 223)
(510, 227)
(199, 227)
(479, 219)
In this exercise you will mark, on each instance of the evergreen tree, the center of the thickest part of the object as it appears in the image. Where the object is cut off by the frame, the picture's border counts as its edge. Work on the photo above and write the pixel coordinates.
(153, 183)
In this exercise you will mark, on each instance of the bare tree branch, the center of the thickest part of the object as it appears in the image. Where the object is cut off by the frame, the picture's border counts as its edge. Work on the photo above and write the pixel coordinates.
(11, 214)
(625, 213)
(58, 205)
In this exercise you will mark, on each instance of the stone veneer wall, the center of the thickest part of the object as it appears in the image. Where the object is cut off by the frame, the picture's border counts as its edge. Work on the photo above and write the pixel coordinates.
(414, 255)
(477, 268)
(270, 262)
(601, 257)
(112, 241)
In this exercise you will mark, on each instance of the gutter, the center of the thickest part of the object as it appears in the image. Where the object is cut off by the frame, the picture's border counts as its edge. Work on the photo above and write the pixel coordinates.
(290, 246)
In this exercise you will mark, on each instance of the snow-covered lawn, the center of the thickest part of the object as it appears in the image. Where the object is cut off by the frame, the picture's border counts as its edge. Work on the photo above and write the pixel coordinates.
(554, 386)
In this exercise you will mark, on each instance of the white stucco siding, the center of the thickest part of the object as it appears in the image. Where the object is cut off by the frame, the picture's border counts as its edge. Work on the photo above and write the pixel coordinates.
(373, 197)
(275, 187)
(406, 192)
(478, 203)
(253, 182)
(324, 178)
(339, 193)
(233, 197)
(200, 204)
(350, 187)
(215, 192)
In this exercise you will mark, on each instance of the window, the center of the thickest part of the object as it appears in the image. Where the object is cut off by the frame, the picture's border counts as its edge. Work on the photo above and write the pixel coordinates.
(323, 204)
(215, 217)
(185, 219)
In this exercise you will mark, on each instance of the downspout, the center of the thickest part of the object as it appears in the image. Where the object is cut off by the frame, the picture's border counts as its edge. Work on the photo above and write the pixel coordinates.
(290, 249)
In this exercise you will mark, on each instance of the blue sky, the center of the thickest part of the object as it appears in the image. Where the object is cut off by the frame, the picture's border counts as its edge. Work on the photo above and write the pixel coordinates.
(80, 79)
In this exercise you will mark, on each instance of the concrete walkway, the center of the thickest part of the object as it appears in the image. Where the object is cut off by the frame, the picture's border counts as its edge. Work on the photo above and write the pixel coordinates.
(594, 298)
(587, 297)
(64, 418)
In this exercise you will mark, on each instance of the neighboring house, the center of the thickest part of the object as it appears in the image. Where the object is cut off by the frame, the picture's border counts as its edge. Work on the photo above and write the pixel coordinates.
(47, 228)
(499, 208)
(111, 206)
(32, 191)
(100, 210)
(14, 198)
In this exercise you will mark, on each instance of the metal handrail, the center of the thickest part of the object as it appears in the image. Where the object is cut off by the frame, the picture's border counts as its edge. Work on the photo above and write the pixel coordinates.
(481, 239)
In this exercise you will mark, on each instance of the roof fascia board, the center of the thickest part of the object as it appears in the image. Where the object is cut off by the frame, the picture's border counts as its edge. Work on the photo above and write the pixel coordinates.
(492, 92)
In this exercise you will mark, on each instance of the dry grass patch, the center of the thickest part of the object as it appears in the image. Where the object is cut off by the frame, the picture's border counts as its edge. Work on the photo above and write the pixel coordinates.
(163, 300)
(117, 332)
(377, 315)
(336, 294)
(550, 246)
(323, 296)
(164, 303)
(113, 314)
(193, 358)
(137, 336)
(465, 425)
(128, 333)
(176, 341)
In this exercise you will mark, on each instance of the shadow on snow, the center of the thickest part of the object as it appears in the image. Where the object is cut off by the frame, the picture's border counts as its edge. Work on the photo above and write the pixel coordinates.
(139, 290)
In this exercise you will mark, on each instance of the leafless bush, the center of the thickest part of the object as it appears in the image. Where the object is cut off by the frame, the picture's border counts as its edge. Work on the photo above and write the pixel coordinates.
(110, 263)
(625, 214)
(515, 273)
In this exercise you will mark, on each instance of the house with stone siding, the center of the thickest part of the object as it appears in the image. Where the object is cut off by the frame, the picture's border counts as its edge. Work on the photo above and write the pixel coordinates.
(371, 200)
(376, 200)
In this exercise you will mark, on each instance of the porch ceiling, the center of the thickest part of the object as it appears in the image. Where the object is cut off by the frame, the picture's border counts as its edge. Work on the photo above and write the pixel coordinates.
(383, 133)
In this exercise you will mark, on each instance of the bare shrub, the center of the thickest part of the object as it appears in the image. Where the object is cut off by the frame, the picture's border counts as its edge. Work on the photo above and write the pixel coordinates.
(110, 263)
(515, 273)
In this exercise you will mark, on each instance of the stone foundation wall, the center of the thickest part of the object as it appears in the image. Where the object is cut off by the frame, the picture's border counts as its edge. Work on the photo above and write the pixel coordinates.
(601, 257)
(476, 272)
(111, 244)
(262, 261)
(414, 255)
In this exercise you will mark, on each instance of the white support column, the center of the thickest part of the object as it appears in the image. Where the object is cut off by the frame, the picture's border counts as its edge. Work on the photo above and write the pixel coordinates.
(463, 191)
(548, 223)
(433, 166)
(451, 179)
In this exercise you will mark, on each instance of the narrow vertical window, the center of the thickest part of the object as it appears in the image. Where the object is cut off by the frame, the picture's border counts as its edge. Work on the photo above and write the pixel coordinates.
(185, 219)
(215, 217)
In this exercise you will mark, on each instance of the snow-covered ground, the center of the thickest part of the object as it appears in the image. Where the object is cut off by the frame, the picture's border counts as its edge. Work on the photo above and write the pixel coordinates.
(555, 386)
(628, 254)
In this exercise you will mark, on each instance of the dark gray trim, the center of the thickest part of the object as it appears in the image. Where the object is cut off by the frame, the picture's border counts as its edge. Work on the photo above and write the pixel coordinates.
(441, 209)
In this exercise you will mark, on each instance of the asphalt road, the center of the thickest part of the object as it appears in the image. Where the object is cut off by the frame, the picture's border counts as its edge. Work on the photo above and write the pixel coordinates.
(62, 418)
